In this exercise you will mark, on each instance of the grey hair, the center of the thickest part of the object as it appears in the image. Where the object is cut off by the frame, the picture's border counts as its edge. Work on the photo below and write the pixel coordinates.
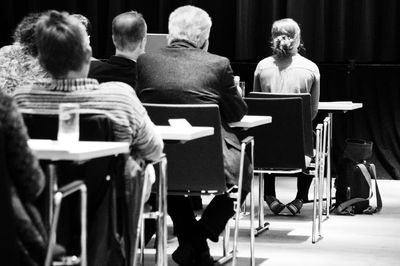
(189, 23)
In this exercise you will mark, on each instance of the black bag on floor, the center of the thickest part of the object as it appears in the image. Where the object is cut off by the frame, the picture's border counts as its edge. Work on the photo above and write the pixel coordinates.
(354, 187)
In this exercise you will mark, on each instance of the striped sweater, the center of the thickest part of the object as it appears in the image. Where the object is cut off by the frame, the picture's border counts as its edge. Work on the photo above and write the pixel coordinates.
(115, 99)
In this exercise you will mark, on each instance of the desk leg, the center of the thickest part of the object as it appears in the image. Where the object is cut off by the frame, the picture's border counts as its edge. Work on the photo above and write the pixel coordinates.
(52, 186)
(262, 225)
(328, 167)
(162, 256)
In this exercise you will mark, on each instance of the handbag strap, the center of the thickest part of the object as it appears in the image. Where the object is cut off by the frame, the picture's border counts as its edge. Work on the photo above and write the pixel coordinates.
(378, 207)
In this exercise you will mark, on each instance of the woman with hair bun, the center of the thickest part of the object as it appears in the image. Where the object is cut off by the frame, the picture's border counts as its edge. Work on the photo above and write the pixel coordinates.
(286, 71)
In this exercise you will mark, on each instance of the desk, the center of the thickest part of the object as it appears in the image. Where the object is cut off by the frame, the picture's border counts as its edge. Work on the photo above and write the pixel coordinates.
(330, 107)
(51, 150)
(339, 106)
(184, 133)
(82, 150)
(249, 121)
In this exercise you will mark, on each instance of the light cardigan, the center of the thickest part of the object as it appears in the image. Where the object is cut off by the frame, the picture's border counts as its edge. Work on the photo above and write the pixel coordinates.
(115, 99)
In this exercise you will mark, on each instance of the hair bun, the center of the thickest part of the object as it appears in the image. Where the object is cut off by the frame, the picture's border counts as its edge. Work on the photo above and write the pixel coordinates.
(282, 45)
(55, 16)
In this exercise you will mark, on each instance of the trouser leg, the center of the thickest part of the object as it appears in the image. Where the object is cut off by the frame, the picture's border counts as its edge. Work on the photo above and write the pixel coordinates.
(216, 215)
(303, 185)
(181, 212)
(269, 185)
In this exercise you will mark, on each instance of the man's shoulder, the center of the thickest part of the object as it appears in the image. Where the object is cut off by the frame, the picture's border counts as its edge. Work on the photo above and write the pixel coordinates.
(116, 87)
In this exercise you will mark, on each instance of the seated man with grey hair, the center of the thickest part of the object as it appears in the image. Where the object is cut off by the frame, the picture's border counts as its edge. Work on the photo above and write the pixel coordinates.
(129, 38)
(185, 73)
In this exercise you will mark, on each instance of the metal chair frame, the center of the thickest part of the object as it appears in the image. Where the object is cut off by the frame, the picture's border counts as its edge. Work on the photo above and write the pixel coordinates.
(315, 171)
(227, 255)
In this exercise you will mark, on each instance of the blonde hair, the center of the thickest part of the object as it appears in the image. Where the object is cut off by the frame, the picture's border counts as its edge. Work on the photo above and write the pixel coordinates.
(285, 34)
(189, 23)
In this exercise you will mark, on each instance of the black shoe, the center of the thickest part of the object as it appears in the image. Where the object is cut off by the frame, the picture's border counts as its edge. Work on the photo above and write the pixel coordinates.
(274, 204)
(295, 206)
(184, 254)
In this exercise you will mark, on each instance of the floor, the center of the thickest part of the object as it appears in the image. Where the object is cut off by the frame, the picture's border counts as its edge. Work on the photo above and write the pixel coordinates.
(359, 240)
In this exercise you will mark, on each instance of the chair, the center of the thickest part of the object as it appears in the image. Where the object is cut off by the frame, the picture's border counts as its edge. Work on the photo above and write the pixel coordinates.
(306, 97)
(205, 168)
(96, 173)
(307, 121)
(281, 148)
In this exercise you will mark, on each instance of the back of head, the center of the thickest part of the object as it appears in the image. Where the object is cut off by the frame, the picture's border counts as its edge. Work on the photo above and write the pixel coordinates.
(128, 30)
(285, 34)
(189, 23)
(62, 43)
(85, 22)
(25, 33)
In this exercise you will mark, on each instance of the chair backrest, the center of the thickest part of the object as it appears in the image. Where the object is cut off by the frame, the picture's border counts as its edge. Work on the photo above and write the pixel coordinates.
(280, 144)
(307, 119)
(91, 126)
(196, 165)
(8, 234)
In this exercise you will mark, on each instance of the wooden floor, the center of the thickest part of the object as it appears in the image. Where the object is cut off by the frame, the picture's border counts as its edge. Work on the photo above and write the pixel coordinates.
(359, 240)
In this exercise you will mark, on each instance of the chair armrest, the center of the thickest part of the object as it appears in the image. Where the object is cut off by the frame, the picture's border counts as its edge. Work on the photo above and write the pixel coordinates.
(247, 140)
(72, 187)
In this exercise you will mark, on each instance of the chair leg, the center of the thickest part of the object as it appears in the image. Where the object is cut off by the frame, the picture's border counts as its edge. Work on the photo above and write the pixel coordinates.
(327, 130)
(314, 226)
(52, 237)
(142, 241)
(226, 254)
(262, 225)
(162, 256)
(252, 231)
(58, 196)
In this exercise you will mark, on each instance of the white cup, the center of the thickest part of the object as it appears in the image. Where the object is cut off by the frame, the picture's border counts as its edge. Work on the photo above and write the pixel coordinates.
(242, 86)
(68, 123)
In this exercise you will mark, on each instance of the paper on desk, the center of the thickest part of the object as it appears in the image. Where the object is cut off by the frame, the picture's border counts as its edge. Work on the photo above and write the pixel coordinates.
(341, 102)
(179, 122)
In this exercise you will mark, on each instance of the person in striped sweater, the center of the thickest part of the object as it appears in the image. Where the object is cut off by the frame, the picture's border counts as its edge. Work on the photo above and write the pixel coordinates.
(65, 53)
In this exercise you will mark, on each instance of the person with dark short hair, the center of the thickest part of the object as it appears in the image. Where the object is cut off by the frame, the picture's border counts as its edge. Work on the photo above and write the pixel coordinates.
(129, 37)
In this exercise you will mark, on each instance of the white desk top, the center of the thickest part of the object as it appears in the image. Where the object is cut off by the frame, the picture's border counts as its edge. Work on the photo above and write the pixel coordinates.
(83, 150)
(184, 133)
(339, 106)
(252, 121)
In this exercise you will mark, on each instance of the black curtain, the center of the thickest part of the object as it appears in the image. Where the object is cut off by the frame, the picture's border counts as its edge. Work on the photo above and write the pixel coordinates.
(355, 43)
(333, 30)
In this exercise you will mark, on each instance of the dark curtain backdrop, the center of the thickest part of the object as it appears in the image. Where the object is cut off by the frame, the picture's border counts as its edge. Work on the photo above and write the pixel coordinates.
(355, 43)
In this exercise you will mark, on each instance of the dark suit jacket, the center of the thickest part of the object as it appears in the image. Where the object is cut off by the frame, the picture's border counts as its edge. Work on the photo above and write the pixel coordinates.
(114, 69)
(183, 74)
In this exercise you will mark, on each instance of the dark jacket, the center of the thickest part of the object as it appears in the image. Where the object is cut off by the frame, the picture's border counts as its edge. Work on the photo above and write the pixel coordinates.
(183, 74)
(26, 181)
(114, 69)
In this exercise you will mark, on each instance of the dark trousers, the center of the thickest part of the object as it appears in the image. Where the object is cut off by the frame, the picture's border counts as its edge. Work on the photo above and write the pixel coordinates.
(303, 185)
(212, 221)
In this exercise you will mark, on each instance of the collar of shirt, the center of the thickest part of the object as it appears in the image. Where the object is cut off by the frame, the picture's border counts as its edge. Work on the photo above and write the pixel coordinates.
(182, 44)
(119, 60)
(66, 85)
